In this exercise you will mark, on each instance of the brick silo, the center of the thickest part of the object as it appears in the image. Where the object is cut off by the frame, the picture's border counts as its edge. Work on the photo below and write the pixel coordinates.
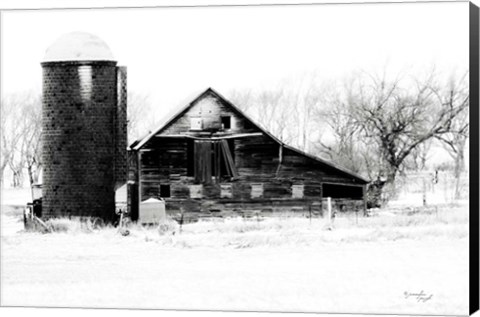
(84, 128)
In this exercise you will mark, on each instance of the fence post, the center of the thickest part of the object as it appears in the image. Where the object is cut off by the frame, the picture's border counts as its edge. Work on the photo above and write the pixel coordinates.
(424, 192)
(329, 208)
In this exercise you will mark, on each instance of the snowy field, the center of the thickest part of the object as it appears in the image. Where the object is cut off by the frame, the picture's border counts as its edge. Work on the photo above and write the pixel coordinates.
(378, 264)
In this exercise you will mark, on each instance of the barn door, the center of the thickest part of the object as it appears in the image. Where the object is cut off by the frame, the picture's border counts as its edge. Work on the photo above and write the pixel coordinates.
(203, 161)
(213, 158)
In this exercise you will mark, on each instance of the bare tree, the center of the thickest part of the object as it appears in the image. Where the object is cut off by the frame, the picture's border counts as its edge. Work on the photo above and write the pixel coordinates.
(139, 115)
(400, 119)
(417, 161)
(32, 138)
(286, 110)
(273, 112)
(344, 145)
(21, 131)
(308, 95)
(243, 99)
(377, 125)
(455, 140)
(10, 132)
(269, 108)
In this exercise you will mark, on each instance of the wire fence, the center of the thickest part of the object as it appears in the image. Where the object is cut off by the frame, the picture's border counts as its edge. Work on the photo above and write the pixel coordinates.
(432, 187)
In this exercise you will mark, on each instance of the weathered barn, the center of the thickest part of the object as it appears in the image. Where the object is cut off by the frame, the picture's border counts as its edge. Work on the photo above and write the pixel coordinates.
(210, 159)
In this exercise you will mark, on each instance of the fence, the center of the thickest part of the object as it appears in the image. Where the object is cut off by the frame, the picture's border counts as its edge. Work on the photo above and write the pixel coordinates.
(432, 187)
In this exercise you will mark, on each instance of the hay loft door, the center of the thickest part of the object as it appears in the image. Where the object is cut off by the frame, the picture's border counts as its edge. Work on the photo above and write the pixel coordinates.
(213, 160)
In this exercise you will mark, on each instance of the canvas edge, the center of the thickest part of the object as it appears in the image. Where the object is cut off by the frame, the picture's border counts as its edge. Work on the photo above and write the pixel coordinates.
(474, 160)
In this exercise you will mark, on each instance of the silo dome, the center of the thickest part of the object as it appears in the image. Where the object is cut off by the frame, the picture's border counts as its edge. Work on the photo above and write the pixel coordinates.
(78, 46)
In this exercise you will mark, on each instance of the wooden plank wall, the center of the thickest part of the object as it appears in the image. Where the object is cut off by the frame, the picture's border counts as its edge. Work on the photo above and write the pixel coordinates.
(257, 161)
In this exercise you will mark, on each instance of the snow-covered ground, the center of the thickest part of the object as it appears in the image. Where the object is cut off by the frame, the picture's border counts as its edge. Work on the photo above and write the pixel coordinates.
(365, 265)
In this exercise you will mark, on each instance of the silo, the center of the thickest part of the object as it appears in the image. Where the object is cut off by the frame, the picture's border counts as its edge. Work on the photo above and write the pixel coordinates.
(84, 128)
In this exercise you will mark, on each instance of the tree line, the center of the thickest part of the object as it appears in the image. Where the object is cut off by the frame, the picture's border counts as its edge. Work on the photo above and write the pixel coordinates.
(21, 133)
(20, 129)
(372, 124)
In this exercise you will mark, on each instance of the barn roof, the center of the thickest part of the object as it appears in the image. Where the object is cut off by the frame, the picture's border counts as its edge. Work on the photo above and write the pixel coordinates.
(137, 145)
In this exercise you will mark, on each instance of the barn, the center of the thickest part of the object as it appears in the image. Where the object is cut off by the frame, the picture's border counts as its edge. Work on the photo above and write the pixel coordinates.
(212, 160)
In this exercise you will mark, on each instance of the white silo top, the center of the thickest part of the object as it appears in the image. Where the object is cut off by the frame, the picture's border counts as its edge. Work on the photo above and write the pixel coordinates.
(78, 46)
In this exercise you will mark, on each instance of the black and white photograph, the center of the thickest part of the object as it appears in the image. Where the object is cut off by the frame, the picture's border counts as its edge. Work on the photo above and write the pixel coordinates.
(240, 157)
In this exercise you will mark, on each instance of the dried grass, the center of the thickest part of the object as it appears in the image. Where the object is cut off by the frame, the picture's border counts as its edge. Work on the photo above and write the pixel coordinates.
(76, 225)
(449, 222)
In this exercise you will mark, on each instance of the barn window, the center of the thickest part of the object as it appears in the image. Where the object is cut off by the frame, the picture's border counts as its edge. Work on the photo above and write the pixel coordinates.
(297, 191)
(226, 191)
(257, 191)
(164, 190)
(195, 123)
(226, 122)
(196, 191)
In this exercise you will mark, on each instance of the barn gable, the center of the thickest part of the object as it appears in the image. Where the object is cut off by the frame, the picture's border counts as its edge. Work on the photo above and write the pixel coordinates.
(212, 115)
(209, 114)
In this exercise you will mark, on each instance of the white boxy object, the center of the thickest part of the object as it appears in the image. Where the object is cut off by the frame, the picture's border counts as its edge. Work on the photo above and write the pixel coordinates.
(152, 211)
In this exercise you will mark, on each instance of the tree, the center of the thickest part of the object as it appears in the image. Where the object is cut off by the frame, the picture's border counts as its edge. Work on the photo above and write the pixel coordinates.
(10, 132)
(344, 144)
(269, 108)
(139, 115)
(417, 161)
(456, 139)
(378, 126)
(399, 119)
(308, 95)
(286, 111)
(244, 99)
(31, 148)
(21, 135)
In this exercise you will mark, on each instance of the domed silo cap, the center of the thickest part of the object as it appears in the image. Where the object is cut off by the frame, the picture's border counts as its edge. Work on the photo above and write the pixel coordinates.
(78, 47)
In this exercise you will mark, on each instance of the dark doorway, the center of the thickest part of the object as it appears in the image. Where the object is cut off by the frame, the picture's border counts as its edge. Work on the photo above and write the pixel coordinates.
(342, 191)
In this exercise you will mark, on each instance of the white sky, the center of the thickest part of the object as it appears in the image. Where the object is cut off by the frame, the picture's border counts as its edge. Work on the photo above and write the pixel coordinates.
(172, 52)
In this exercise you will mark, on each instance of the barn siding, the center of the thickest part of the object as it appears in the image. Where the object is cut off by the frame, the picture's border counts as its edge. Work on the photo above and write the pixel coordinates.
(257, 161)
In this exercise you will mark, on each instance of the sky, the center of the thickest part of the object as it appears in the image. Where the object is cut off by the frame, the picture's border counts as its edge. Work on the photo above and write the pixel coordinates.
(174, 53)
(171, 53)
